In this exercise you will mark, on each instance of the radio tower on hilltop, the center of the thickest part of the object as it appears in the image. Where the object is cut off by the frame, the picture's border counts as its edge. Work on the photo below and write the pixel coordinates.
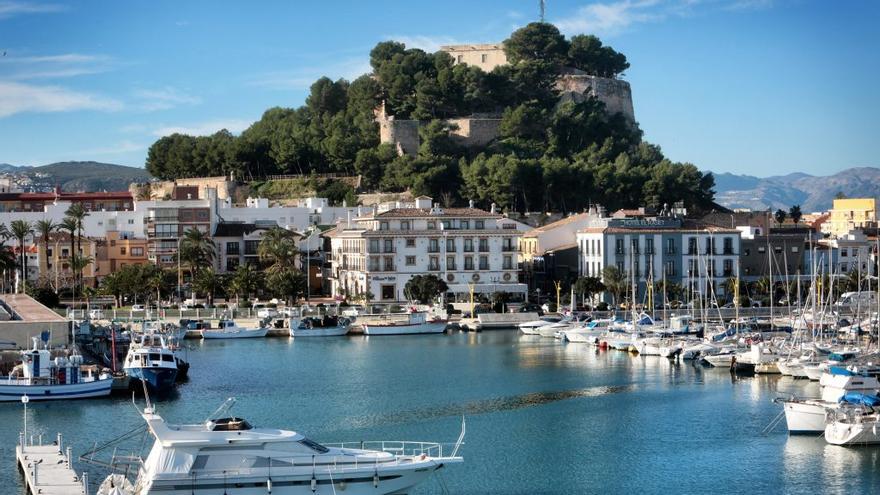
(543, 7)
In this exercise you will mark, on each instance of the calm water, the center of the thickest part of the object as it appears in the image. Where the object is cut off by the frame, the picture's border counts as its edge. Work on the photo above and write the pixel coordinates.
(543, 417)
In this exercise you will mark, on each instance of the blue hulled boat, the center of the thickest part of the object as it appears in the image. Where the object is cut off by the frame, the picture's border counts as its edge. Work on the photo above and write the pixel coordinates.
(151, 361)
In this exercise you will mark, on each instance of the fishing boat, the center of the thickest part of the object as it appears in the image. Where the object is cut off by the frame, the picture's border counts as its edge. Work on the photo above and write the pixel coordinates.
(152, 362)
(318, 326)
(228, 329)
(42, 378)
(416, 322)
(229, 455)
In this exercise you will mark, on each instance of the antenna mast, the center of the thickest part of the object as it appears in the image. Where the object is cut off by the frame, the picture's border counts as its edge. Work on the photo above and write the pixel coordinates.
(543, 8)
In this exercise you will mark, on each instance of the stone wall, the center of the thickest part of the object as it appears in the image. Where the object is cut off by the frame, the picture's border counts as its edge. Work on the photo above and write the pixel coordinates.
(616, 94)
(225, 188)
(475, 131)
(20, 332)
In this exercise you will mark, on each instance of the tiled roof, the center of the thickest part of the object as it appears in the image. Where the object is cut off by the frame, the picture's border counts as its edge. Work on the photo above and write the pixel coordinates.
(444, 212)
(554, 225)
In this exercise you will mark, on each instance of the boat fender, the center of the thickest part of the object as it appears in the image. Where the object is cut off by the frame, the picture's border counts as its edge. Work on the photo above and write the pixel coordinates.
(376, 479)
(314, 485)
(269, 484)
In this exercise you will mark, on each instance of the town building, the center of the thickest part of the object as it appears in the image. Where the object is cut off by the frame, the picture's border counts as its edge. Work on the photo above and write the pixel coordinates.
(58, 271)
(850, 214)
(694, 255)
(375, 255)
(91, 201)
(119, 249)
(782, 248)
(550, 252)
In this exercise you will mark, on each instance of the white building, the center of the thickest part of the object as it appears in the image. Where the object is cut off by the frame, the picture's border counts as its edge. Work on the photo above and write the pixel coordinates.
(695, 256)
(379, 252)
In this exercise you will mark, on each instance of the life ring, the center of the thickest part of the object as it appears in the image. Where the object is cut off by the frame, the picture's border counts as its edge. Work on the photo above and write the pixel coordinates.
(506, 277)
(450, 277)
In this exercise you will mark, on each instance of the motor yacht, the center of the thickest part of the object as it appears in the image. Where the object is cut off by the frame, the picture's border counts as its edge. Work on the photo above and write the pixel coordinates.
(416, 322)
(808, 415)
(150, 360)
(229, 455)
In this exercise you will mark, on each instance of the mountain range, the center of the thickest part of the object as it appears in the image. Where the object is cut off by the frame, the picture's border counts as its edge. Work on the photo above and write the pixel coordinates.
(78, 176)
(812, 193)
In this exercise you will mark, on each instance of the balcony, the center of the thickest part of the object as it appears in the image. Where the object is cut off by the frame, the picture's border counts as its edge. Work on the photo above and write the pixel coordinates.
(728, 273)
(433, 249)
(728, 251)
(508, 249)
(484, 249)
(433, 268)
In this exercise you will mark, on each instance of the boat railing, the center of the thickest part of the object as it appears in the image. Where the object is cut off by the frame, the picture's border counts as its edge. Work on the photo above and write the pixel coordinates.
(398, 448)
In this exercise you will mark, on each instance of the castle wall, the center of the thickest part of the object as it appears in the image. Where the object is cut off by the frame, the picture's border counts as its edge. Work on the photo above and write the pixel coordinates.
(614, 93)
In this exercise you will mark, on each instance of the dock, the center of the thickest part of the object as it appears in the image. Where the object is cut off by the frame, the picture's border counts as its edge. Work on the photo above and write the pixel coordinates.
(47, 469)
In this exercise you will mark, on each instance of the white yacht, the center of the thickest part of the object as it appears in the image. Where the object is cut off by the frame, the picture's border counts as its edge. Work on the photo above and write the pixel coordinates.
(809, 415)
(231, 456)
(416, 322)
(228, 329)
(854, 424)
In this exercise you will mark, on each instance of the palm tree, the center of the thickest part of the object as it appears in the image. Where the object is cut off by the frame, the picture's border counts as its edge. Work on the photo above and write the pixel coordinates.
(70, 225)
(207, 282)
(245, 281)
(45, 228)
(78, 263)
(615, 281)
(277, 249)
(587, 287)
(78, 213)
(21, 230)
(197, 250)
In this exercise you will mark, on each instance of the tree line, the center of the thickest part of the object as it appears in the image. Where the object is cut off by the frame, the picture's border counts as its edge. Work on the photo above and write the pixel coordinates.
(550, 154)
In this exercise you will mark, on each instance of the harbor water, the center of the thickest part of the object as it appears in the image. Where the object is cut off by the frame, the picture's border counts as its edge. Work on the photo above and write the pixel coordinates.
(542, 416)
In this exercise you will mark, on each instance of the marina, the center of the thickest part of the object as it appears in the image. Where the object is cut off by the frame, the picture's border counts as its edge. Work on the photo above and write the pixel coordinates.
(577, 408)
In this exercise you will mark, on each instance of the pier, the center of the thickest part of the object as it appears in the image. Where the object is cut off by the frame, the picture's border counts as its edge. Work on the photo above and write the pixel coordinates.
(47, 469)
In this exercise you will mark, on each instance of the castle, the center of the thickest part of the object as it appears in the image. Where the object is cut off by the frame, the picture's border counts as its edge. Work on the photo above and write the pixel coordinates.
(480, 129)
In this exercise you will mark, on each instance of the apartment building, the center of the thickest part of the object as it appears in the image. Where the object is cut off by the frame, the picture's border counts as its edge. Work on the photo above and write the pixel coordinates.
(119, 249)
(379, 252)
(697, 256)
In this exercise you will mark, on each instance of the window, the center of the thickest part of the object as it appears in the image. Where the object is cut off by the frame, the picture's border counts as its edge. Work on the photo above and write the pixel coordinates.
(410, 242)
(65, 253)
(843, 252)
(468, 262)
(231, 264)
(670, 268)
(762, 249)
(450, 245)
(122, 250)
(709, 245)
(692, 245)
(634, 244)
(620, 267)
(636, 268)
(432, 225)
(388, 292)
(747, 251)
(410, 260)
(670, 246)
(459, 58)
(464, 225)
(388, 245)
(728, 245)
(507, 263)
(131, 221)
(728, 268)
(389, 263)
(479, 224)
(383, 225)
(618, 246)
(855, 252)
(484, 262)
(649, 246)
(468, 245)
(507, 244)
(374, 246)
(137, 251)
(433, 245)
(484, 245)
(374, 264)
(794, 249)
(483, 58)
(404, 225)
(433, 263)
(250, 247)
(447, 224)
(450, 262)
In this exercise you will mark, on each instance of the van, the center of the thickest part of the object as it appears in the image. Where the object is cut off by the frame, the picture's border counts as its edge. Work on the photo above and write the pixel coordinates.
(863, 299)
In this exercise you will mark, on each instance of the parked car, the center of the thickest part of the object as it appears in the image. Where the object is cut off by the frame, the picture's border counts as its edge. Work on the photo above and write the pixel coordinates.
(531, 308)
(137, 308)
(96, 314)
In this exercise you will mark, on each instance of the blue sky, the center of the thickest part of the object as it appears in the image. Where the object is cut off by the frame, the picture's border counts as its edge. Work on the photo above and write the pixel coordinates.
(761, 87)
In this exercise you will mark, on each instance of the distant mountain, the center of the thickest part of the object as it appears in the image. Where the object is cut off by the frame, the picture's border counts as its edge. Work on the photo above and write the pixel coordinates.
(90, 176)
(5, 167)
(813, 193)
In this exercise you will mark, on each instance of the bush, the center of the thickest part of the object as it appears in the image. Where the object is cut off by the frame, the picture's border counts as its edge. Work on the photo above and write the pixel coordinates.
(602, 306)
(44, 295)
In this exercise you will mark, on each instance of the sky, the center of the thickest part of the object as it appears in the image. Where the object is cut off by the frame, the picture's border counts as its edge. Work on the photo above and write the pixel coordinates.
(758, 87)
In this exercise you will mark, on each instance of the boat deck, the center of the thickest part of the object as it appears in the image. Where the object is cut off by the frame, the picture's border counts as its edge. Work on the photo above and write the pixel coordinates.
(47, 470)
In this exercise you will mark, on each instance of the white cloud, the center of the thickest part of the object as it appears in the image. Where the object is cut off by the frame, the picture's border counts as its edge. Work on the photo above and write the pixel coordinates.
(750, 4)
(610, 18)
(53, 66)
(19, 98)
(12, 8)
(163, 98)
(204, 128)
(299, 79)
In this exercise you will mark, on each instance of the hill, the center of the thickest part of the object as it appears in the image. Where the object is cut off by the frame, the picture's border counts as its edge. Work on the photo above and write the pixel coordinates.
(90, 176)
(813, 193)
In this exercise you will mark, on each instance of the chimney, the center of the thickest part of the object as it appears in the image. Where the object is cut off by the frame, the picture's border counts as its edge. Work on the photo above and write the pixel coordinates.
(492, 210)
(471, 204)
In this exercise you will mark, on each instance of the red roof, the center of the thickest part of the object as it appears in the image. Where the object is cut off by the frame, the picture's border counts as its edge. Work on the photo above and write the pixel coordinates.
(79, 196)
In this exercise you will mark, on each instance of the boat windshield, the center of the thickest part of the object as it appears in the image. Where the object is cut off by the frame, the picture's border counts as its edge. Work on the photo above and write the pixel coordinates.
(317, 447)
(230, 424)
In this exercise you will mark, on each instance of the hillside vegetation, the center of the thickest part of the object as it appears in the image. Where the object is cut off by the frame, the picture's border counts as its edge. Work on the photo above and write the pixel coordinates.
(549, 155)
